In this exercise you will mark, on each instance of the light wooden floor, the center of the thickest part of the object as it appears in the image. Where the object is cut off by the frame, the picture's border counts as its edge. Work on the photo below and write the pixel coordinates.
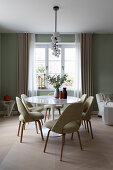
(97, 154)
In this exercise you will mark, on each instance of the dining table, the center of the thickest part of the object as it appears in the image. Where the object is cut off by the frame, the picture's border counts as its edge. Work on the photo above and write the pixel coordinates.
(52, 101)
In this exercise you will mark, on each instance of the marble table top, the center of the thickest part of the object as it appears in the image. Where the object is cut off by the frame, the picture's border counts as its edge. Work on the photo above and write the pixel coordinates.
(50, 100)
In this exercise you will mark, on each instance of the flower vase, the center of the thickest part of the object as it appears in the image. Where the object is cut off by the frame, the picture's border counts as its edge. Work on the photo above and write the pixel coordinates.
(64, 93)
(56, 93)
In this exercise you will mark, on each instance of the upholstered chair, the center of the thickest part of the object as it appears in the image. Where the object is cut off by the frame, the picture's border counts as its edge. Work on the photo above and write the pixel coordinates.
(29, 106)
(83, 98)
(68, 122)
(27, 116)
(86, 115)
(48, 108)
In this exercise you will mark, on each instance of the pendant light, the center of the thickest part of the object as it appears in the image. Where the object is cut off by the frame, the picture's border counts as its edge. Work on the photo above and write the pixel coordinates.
(56, 36)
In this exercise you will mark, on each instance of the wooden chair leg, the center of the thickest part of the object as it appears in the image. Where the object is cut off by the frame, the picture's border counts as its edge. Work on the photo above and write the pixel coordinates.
(87, 126)
(45, 116)
(40, 129)
(22, 132)
(24, 126)
(49, 113)
(79, 140)
(63, 141)
(19, 128)
(72, 136)
(42, 122)
(36, 127)
(82, 122)
(91, 129)
(59, 112)
(46, 140)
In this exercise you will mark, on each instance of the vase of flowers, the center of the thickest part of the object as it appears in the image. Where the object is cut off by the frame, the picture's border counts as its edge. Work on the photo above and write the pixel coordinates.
(56, 81)
(56, 93)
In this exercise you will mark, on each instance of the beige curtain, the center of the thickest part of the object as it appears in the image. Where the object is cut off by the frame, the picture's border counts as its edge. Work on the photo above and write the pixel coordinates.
(22, 72)
(86, 66)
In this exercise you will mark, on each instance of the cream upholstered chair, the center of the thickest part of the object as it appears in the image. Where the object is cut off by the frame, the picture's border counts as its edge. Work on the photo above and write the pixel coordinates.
(29, 106)
(26, 116)
(86, 115)
(68, 122)
(48, 108)
(83, 98)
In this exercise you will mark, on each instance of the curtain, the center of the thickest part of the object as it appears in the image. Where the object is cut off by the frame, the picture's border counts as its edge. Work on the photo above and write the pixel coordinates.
(77, 79)
(86, 69)
(32, 89)
(22, 66)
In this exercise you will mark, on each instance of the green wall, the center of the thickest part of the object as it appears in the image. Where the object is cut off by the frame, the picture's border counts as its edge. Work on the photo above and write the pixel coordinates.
(9, 51)
(103, 63)
(47, 37)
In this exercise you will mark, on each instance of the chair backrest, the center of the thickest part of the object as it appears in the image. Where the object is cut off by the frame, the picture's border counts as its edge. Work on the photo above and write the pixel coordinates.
(72, 113)
(22, 110)
(88, 107)
(83, 98)
(26, 104)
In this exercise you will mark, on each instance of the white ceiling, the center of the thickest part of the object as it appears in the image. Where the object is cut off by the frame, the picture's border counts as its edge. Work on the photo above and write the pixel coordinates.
(37, 16)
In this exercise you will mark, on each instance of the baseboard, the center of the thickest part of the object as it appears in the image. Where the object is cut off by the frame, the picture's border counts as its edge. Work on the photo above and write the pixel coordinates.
(14, 112)
(3, 113)
(94, 112)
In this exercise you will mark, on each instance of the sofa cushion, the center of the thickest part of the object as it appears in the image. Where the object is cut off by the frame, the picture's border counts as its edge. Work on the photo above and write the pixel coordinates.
(100, 97)
(108, 98)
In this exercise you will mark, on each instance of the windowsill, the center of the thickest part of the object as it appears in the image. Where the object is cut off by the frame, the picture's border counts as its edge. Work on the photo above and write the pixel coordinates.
(52, 89)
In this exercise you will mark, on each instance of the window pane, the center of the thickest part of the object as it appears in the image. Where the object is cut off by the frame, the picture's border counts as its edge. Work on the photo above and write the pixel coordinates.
(70, 54)
(40, 67)
(52, 57)
(40, 53)
(54, 64)
(54, 67)
(69, 65)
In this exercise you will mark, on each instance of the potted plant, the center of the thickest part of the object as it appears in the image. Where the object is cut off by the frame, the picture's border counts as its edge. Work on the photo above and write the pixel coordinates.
(56, 81)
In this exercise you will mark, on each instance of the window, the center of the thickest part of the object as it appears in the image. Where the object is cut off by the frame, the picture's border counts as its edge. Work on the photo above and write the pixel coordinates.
(47, 64)
(54, 64)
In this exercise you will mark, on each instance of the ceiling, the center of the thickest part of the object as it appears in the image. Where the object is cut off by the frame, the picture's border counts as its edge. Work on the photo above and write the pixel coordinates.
(37, 16)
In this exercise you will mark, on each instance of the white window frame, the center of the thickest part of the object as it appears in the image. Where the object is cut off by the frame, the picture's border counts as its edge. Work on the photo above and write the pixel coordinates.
(47, 46)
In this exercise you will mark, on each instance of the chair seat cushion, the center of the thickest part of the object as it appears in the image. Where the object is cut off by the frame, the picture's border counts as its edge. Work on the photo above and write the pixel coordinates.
(59, 106)
(36, 109)
(27, 119)
(68, 128)
(49, 107)
(36, 115)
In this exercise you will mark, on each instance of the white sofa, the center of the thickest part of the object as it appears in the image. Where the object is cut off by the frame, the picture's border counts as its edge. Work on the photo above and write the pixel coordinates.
(105, 106)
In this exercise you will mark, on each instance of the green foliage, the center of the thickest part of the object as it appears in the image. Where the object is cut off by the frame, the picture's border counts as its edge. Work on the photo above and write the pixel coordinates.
(57, 80)
(41, 69)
